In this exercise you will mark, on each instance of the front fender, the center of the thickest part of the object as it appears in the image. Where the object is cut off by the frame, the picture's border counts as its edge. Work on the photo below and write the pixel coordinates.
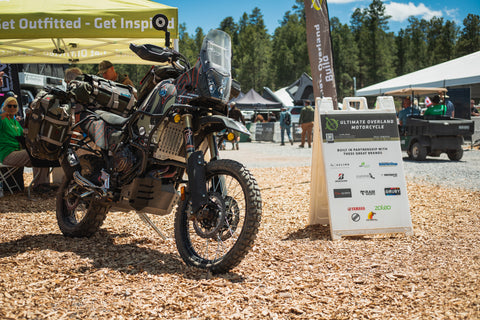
(217, 123)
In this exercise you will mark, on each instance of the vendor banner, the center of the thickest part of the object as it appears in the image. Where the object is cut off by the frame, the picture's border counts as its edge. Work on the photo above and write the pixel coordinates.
(320, 49)
(26, 19)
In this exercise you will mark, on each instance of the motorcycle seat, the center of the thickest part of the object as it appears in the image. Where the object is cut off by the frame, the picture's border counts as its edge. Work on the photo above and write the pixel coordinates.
(111, 118)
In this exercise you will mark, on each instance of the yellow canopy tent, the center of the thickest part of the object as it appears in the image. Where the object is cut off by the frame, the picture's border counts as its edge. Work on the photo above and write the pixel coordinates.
(79, 31)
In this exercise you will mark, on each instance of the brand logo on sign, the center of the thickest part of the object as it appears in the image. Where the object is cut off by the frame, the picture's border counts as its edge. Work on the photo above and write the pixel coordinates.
(341, 178)
(392, 191)
(367, 192)
(317, 4)
(331, 124)
(388, 164)
(364, 165)
(383, 207)
(342, 193)
(356, 208)
(355, 217)
(390, 175)
(370, 216)
(339, 165)
(365, 176)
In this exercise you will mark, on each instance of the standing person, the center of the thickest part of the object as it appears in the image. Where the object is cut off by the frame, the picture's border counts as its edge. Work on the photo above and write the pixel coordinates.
(285, 125)
(450, 108)
(72, 74)
(11, 152)
(473, 111)
(259, 118)
(307, 115)
(236, 115)
(106, 70)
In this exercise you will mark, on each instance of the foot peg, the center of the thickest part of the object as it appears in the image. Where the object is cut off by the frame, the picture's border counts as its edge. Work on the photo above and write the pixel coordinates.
(85, 183)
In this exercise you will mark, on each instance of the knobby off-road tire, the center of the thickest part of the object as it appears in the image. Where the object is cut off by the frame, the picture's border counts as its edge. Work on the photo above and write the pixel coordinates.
(208, 244)
(80, 220)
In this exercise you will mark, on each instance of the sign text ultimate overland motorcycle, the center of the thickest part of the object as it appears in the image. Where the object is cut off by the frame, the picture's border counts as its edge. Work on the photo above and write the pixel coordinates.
(161, 154)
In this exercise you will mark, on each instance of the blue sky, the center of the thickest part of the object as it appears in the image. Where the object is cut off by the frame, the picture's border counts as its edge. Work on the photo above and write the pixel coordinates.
(208, 14)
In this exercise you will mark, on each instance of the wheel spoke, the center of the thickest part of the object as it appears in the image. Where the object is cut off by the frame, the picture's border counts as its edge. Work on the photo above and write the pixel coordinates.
(220, 246)
(229, 229)
(229, 188)
(207, 242)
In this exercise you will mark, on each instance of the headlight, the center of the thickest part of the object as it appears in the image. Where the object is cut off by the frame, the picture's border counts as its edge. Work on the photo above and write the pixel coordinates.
(230, 136)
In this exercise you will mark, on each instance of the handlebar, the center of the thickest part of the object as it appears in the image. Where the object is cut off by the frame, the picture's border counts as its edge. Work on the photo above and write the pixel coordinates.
(63, 95)
(155, 53)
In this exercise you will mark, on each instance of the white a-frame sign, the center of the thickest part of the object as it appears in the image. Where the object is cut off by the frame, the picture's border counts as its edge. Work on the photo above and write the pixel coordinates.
(358, 183)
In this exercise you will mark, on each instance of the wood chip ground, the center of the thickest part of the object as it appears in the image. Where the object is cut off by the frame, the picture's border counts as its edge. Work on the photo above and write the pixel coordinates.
(294, 271)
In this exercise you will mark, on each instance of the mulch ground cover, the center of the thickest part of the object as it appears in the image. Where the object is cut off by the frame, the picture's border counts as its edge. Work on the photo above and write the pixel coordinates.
(295, 271)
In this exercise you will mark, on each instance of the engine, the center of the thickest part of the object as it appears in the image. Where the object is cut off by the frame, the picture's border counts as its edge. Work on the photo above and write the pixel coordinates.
(124, 159)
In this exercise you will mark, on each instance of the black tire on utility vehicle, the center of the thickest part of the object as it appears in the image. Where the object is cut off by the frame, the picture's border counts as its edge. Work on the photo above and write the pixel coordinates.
(455, 155)
(223, 233)
(418, 152)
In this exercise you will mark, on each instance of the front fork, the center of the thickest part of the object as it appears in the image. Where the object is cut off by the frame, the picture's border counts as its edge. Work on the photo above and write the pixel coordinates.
(195, 168)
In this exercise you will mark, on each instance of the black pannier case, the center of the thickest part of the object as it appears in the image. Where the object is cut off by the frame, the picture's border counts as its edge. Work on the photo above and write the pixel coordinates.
(103, 94)
(48, 125)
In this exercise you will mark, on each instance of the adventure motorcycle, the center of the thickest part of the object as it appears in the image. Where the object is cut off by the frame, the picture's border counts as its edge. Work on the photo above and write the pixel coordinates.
(164, 154)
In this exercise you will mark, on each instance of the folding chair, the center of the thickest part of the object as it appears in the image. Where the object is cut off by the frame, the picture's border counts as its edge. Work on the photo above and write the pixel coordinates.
(7, 177)
(39, 163)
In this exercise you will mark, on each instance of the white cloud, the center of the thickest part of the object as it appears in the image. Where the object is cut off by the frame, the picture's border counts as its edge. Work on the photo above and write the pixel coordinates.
(452, 13)
(401, 11)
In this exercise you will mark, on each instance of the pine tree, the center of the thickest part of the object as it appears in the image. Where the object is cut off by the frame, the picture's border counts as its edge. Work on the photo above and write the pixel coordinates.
(360, 35)
(441, 39)
(186, 45)
(469, 40)
(254, 53)
(229, 26)
(380, 44)
(290, 53)
(345, 58)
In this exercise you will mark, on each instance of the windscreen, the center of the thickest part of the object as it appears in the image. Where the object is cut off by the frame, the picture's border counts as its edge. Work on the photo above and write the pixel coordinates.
(216, 58)
(217, 51)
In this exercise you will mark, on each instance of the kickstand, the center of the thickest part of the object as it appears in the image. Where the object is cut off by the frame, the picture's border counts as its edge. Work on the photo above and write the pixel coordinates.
(148, 221)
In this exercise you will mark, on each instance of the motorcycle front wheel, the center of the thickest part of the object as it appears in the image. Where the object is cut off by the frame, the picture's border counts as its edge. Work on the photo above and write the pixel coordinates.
(221, 235)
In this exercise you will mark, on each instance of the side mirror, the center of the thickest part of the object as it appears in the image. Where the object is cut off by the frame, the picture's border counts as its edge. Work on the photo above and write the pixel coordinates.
(160, 22)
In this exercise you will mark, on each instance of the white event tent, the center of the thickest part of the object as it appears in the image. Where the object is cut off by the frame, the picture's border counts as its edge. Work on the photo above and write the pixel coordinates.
(463, 72)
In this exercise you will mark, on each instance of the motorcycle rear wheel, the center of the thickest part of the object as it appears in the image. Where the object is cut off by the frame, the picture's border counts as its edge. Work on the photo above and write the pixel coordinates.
(223, 236)
(77, 217)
